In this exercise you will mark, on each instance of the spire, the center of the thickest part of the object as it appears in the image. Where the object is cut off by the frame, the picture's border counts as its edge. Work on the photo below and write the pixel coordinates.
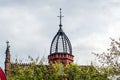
(8, 46)
(7, 60)
(60, 18)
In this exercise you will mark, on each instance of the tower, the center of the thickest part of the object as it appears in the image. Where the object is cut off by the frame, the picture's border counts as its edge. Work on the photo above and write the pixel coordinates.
(7, 60)
(61, 49)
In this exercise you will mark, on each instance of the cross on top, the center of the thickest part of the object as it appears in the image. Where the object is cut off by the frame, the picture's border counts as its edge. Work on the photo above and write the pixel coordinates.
(60, 18)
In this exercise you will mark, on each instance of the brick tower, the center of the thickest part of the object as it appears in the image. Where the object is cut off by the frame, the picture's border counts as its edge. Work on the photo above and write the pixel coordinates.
(61, 49)
(7, 60)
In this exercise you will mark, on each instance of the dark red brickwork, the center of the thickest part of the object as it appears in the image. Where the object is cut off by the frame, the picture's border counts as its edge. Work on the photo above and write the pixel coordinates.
(64, 58)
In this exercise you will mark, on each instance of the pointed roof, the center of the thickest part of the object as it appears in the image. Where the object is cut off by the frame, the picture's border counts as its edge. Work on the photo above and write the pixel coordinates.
(60, 43)
(8, 46)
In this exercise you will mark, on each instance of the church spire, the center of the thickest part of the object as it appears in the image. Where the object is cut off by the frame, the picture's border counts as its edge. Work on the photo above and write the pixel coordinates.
(7, 60)
(60, 25)
(8, 46)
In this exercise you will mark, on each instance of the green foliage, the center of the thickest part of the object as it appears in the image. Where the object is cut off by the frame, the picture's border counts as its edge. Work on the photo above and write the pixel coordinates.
(55, 71)
(75, 72)
(72, 71)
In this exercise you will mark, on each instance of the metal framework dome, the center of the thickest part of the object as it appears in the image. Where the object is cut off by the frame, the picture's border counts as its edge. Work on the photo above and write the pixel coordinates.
(60, 43)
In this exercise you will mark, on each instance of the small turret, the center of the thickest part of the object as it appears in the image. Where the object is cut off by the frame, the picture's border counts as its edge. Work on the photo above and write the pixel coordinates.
(61, 48)
(7, 60)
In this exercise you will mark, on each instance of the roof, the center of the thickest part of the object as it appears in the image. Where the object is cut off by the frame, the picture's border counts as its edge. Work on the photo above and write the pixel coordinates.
(60, 43)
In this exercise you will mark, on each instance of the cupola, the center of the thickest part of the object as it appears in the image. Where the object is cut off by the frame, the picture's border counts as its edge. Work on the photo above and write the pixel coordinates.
(61, 49)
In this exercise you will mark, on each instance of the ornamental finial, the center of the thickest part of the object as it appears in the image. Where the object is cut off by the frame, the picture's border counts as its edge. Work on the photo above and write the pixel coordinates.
(7, 42)
(60, 18)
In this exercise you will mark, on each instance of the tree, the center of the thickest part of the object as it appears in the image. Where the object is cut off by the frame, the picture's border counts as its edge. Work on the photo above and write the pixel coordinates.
(88, 72)
(72, 71)
(56, 71)
(110, 60)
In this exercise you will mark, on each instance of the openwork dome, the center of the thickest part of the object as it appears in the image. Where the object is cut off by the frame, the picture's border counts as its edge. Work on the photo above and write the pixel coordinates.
(60, 43)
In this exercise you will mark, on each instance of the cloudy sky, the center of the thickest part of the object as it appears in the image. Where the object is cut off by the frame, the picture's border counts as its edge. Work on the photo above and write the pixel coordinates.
(30, 26)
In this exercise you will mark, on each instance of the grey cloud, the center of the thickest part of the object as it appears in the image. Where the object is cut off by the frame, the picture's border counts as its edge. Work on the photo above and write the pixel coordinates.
(30, 25)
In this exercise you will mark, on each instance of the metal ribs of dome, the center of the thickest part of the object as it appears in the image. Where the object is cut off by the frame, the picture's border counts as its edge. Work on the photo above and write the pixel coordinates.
(61, 43)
